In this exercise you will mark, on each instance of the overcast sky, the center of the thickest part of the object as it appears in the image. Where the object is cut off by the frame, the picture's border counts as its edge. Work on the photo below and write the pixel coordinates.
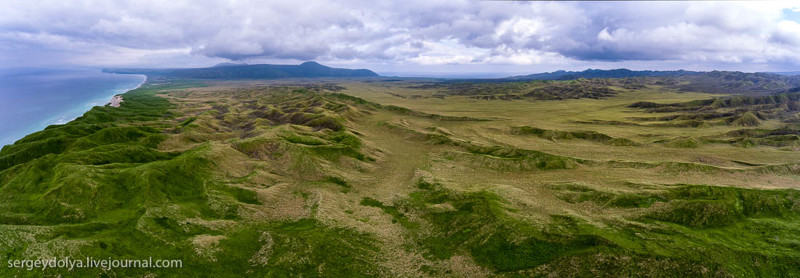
(405, 37)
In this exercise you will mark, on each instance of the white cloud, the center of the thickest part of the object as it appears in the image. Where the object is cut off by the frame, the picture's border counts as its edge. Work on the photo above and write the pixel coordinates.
(423, 32)
(604, 35)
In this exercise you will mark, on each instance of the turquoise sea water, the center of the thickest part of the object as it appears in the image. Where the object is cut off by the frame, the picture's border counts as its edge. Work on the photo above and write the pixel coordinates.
(32, 99)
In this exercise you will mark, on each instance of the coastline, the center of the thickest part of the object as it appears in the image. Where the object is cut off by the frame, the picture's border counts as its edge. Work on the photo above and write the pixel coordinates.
(76, 110)
(88, 105)
(116, 100)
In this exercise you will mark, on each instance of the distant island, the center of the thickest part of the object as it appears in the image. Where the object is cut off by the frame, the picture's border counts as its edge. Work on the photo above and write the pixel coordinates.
(245, 71)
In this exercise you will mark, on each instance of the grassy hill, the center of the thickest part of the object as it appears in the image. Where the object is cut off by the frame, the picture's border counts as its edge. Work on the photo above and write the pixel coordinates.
(407, 178)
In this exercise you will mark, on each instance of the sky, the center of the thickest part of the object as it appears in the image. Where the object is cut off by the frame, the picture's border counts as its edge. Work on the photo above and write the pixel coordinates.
(406, 38)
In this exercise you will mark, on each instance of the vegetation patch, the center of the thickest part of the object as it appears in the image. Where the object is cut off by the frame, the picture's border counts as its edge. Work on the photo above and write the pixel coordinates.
(534, 90)
(397, 215)
(573, 193)
(480, 225)
(709, 206)
(734, 111)
(683, 142)
(430, 116)
(304, 248)
(566, 135)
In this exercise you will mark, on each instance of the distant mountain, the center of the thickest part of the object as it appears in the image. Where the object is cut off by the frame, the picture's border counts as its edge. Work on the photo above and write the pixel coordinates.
(263, 71)
(734, 82)
(597, 73)
(787, 73)
(715, 82)
(227, 64)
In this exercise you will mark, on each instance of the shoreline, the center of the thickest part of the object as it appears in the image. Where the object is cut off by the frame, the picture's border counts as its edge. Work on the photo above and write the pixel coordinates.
(78, 110)
(117, 100)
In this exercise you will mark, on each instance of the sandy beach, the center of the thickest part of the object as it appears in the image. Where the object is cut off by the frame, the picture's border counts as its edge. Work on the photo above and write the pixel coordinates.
(115, 101)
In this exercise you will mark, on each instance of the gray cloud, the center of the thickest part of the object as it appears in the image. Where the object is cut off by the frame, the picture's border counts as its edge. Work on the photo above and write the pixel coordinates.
(404, 32)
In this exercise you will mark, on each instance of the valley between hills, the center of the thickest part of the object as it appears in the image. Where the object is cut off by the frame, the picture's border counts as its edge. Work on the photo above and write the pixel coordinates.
(409, 177)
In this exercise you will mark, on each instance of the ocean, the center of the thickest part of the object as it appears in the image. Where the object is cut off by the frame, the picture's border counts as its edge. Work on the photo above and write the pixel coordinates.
(32, 99)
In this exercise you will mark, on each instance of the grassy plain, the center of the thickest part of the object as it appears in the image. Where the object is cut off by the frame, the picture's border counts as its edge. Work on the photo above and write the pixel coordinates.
(377, 177)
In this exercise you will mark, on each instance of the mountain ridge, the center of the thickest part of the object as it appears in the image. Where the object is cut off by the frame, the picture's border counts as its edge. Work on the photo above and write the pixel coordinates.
(599, 73)
(245, 71)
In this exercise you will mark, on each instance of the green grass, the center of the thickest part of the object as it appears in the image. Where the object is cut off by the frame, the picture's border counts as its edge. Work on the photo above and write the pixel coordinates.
(480, 225)
(301, 248)
(566, 135)
(397, 215)
(379, 178)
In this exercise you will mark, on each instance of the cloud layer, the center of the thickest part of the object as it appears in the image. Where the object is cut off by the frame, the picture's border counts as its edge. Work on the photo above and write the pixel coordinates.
(403, 33)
